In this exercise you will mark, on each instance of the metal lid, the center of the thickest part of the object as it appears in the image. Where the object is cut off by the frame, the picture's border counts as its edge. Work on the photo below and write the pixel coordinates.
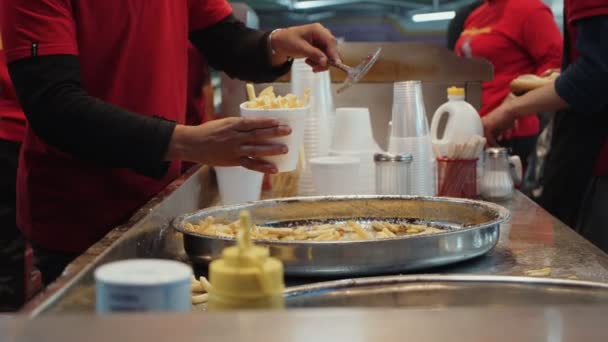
(496, 152)
(396, 158)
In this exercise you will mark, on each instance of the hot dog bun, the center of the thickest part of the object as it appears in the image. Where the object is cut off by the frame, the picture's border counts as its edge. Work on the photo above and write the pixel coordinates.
(529, 82)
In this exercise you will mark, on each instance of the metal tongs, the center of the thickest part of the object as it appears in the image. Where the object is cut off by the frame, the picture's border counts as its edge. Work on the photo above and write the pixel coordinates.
(353, 75)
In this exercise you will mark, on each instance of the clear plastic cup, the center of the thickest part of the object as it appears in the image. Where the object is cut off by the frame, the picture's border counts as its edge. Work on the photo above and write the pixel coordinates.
(419, 146)
(334, 176)
(294, 118)
(238, 184)
(409, 116)
(423, 168)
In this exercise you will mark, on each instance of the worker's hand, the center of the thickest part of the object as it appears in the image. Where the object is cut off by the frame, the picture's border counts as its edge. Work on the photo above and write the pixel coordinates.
(551, 72)
(313, 42)
(498, 122)
(229, 142)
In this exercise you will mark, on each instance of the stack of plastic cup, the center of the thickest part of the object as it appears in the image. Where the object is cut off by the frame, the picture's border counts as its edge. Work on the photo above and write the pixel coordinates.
(238, 184)
(410, 135)
(353, 137)
(316, 129)
(334, 176)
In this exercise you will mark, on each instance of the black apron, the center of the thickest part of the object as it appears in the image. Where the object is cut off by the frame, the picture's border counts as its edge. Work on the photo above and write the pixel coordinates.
(575, 146)
(576, 143)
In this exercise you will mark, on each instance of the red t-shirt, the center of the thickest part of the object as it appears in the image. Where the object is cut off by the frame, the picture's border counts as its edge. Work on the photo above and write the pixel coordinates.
(198, 73)
(133, 54)
(12, 119)
(576, 10)
(518, 37)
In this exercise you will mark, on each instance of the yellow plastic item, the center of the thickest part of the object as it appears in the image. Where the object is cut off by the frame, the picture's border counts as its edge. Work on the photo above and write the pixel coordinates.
(246, 277)
(455, 91)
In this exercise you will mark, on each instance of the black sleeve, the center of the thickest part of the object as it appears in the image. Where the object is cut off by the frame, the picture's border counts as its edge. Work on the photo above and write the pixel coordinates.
(456, 25)
(63, 115)
(237, 50)
(582, 84)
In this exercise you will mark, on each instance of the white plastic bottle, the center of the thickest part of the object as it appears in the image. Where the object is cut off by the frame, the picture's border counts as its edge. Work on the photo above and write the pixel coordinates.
(463, 120)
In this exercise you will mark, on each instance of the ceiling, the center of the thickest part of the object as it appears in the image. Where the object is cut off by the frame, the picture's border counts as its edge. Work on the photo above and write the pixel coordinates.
(280, 13)
(316, 5)
(364, 19)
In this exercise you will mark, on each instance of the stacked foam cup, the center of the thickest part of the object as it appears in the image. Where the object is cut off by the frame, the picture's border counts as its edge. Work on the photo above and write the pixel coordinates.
(334, 176)
(316, 130)
(354, 138)
(410, 135)
(294, 118)
(238, 184)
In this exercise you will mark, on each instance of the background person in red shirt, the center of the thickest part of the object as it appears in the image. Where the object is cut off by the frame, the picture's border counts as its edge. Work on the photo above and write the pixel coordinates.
(518, 37)
(12, 244)
(576, 174)
(103, 86)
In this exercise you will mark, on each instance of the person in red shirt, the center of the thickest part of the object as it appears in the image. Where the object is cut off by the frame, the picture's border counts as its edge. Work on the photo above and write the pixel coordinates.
(199, 81)
(103, 86)
(12, 244)
(518, 37)
(198, 78)
(576, 174)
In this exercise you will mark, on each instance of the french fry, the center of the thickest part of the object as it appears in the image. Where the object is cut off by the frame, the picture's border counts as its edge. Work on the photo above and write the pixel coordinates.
(320, 232)
(267, 99)
(324, 237)
(388, 232)
(250, 92)
(307, 95)
(205, 283)
(267, 92)
(200, 299)
(378, 226)
(363, 234)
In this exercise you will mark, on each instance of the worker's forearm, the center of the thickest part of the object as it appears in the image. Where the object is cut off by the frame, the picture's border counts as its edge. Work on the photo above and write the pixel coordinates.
(544, 99)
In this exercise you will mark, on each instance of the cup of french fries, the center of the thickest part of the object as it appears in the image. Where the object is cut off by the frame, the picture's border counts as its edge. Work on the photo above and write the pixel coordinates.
(290, 111)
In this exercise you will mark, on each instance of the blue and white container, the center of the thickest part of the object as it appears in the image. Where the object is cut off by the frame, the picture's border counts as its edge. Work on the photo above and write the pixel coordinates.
(143, 285)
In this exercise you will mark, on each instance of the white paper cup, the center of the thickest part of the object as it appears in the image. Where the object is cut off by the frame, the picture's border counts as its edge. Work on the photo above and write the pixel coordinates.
(294, 118)
(143, 285)
(335, 175)
(238, 184)
(353, 130)
(367, 169)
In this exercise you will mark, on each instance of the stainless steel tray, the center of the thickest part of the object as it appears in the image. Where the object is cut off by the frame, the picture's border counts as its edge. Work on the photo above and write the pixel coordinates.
(430, 291)
(471, 229)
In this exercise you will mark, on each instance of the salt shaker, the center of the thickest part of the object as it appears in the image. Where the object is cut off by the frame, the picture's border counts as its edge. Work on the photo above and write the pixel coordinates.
(497, 182)
(392, 173)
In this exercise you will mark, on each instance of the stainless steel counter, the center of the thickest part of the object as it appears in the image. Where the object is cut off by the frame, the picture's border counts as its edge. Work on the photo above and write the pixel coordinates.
(462, 324)
(532, 241)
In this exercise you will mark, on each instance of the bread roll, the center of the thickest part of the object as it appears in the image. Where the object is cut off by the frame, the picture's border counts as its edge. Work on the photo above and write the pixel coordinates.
(529, 82)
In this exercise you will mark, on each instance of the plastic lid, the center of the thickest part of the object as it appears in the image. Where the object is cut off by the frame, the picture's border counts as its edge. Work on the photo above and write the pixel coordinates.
(143, 272)
(455, 91)
(246, 271)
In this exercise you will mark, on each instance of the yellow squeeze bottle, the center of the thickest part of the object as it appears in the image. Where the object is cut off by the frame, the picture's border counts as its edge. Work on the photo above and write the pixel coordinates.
(245, 277)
